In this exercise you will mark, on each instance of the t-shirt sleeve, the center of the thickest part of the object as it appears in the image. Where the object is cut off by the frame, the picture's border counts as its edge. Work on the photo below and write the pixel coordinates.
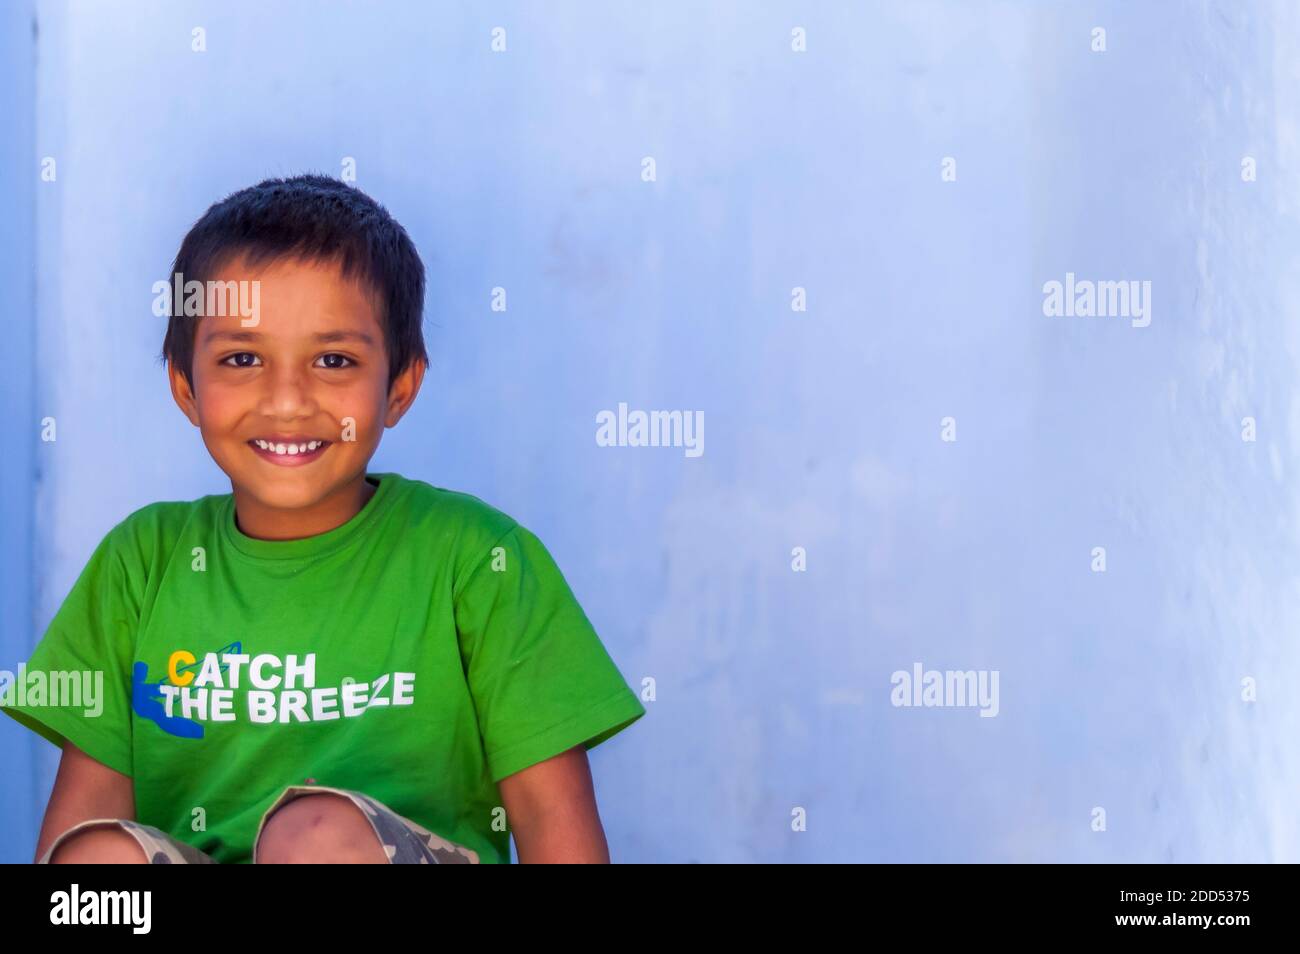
(541, 680)
(77, 684)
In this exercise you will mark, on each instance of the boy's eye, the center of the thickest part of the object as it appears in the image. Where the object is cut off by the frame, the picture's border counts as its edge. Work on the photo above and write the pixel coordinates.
(235, 362)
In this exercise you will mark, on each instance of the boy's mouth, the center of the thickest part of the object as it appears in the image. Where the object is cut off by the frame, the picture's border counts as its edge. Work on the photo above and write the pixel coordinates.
(288, 453)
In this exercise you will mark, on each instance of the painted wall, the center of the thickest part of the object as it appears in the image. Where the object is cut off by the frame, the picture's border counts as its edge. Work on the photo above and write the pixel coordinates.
(775, 169)
(22, 788)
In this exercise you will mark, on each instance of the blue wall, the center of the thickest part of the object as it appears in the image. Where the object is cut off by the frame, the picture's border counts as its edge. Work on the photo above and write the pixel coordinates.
(24, 789)
(1119, 690)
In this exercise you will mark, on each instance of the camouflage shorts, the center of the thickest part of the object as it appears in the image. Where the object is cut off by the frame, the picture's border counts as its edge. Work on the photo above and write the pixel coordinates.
(403, 840)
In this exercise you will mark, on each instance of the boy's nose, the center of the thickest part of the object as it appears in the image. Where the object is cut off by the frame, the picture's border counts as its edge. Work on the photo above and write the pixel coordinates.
(289, 391)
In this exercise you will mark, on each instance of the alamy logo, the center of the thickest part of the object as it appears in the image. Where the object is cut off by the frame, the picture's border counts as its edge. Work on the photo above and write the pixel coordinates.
(57, 688)
(102, 907)
(196, 299)
(948, 688)
(1089, 299)
(651, 429)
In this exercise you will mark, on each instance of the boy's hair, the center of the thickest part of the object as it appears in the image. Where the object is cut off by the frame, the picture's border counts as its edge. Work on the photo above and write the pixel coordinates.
(315, 218)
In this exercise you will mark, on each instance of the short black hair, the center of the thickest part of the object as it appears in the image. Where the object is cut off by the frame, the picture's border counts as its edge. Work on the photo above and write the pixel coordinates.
(315, 218)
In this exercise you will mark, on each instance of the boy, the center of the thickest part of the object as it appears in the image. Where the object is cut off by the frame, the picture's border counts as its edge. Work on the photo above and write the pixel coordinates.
(409, 656)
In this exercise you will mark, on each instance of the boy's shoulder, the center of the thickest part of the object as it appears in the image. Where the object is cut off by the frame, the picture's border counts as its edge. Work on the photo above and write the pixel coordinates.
(451, 509)
(451, 520)
(146, 528)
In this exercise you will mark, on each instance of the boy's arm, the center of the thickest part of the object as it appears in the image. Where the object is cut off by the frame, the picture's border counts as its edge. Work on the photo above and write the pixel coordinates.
(551, 808)
(84, 789)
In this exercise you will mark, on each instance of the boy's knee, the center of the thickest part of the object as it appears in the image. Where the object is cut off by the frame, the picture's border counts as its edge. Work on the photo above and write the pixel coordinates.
(100, 845)
(321, 828)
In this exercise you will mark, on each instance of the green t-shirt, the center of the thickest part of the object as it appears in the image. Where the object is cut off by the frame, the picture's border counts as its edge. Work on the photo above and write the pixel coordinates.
(419, 653)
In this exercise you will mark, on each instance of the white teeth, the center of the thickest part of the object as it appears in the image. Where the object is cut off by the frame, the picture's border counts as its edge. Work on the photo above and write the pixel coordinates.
(289, 449)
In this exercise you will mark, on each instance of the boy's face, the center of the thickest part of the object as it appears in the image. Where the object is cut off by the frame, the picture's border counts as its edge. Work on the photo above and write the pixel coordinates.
(312, 369)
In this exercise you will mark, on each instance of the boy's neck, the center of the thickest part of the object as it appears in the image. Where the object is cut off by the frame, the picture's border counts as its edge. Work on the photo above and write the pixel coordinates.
(268, 523)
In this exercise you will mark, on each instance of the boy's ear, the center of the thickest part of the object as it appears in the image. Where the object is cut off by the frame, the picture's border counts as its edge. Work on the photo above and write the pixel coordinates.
(402, 394)
(182, 393)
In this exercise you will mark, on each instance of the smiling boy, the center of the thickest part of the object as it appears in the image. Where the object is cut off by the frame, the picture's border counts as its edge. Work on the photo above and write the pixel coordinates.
(408, 656)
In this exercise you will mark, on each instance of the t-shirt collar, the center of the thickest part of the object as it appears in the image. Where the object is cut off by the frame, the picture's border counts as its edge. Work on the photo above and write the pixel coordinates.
(315, 546)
